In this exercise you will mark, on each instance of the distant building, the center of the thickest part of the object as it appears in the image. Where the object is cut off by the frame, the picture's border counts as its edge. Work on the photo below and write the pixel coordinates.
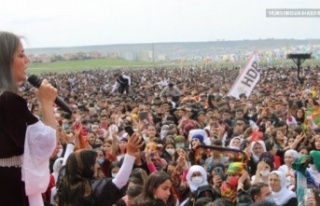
(129, 56)
(162, 57)
(69, 56)
(145, 56)
(33, 58)
(95, 55)
(81, 56)
(38, 59)
(113, 55)
(57, 57)
(44, 59)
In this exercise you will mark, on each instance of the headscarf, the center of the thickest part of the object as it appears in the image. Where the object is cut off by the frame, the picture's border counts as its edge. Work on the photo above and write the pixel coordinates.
(179, 138)
(200, 134)
(187, 127)
(255, 156)
(196, 168)
(292, 153)
(284, 195)
(231, 142)
(74, 187)
(164, 131)
(235, 168)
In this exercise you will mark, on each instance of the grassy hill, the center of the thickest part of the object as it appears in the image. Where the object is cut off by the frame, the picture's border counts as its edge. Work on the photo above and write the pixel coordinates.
(68, 66)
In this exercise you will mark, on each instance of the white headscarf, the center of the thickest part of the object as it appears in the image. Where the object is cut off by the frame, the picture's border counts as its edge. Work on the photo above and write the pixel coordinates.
(292, 153)
(196, 168)
(255, 156)
(284, 195)
(164, 131)
(231, 142)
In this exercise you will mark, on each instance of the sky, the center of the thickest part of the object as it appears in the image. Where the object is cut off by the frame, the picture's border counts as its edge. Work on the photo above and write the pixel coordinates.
(67, 23)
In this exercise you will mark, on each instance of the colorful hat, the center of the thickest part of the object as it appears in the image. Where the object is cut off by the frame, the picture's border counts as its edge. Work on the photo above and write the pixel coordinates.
(198, 136)
(236, 168)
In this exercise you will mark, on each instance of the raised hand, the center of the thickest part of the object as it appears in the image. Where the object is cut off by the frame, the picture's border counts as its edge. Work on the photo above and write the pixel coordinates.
(134, 144)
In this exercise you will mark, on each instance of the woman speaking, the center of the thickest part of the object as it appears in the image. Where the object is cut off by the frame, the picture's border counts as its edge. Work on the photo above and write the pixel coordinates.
(26, 143)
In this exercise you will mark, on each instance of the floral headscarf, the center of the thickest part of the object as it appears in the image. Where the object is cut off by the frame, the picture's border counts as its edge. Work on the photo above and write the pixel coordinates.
(74, 187)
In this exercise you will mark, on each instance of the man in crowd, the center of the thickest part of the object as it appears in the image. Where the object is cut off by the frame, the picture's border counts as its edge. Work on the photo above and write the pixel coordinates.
(122, 84)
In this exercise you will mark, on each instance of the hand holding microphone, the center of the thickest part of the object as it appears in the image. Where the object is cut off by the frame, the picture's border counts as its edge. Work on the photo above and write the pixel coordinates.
(47, 94)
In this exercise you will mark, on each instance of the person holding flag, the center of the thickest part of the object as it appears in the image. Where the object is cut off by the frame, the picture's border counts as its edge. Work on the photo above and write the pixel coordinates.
(247, 79)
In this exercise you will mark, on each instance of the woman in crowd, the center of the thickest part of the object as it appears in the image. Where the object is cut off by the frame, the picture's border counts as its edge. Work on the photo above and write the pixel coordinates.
(280, 140)
(235, 143)
(19, 127)
(114, 169)
(137, 180)
(103, 163)
(264, 168)
(300, 116)
(157, 191)
(230, 186)
(280, 193)
(272, 149)
(196, 177)
(289, 157)
(78, 186)
(316, 140)
(256, 148)
(169, 153)
(151, 133)
(119, 146)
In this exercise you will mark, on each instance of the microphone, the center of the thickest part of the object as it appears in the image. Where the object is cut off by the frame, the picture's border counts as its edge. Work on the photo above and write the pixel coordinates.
(36, 82)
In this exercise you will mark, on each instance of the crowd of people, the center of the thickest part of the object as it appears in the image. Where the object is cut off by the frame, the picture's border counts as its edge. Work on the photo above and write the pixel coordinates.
(174, 111)
(158, 136)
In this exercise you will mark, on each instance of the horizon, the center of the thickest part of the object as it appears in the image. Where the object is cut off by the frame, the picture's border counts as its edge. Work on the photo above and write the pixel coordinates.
(222, 40)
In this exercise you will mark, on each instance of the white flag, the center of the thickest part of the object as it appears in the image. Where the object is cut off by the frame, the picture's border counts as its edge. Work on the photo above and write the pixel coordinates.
(247, 79)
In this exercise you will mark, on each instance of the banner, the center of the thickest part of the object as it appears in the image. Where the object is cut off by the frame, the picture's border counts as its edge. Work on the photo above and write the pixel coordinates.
(247, 79)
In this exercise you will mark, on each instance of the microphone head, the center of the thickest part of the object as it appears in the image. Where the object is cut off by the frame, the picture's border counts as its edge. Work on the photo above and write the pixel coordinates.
(34, 80)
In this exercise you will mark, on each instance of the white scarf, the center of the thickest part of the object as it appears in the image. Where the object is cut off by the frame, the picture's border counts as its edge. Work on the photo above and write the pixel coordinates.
(196, 168)
(284, 195)
(231, 142)
(255, 156)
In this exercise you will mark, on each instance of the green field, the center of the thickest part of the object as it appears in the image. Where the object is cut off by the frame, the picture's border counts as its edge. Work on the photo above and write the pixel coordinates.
(79, 65)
